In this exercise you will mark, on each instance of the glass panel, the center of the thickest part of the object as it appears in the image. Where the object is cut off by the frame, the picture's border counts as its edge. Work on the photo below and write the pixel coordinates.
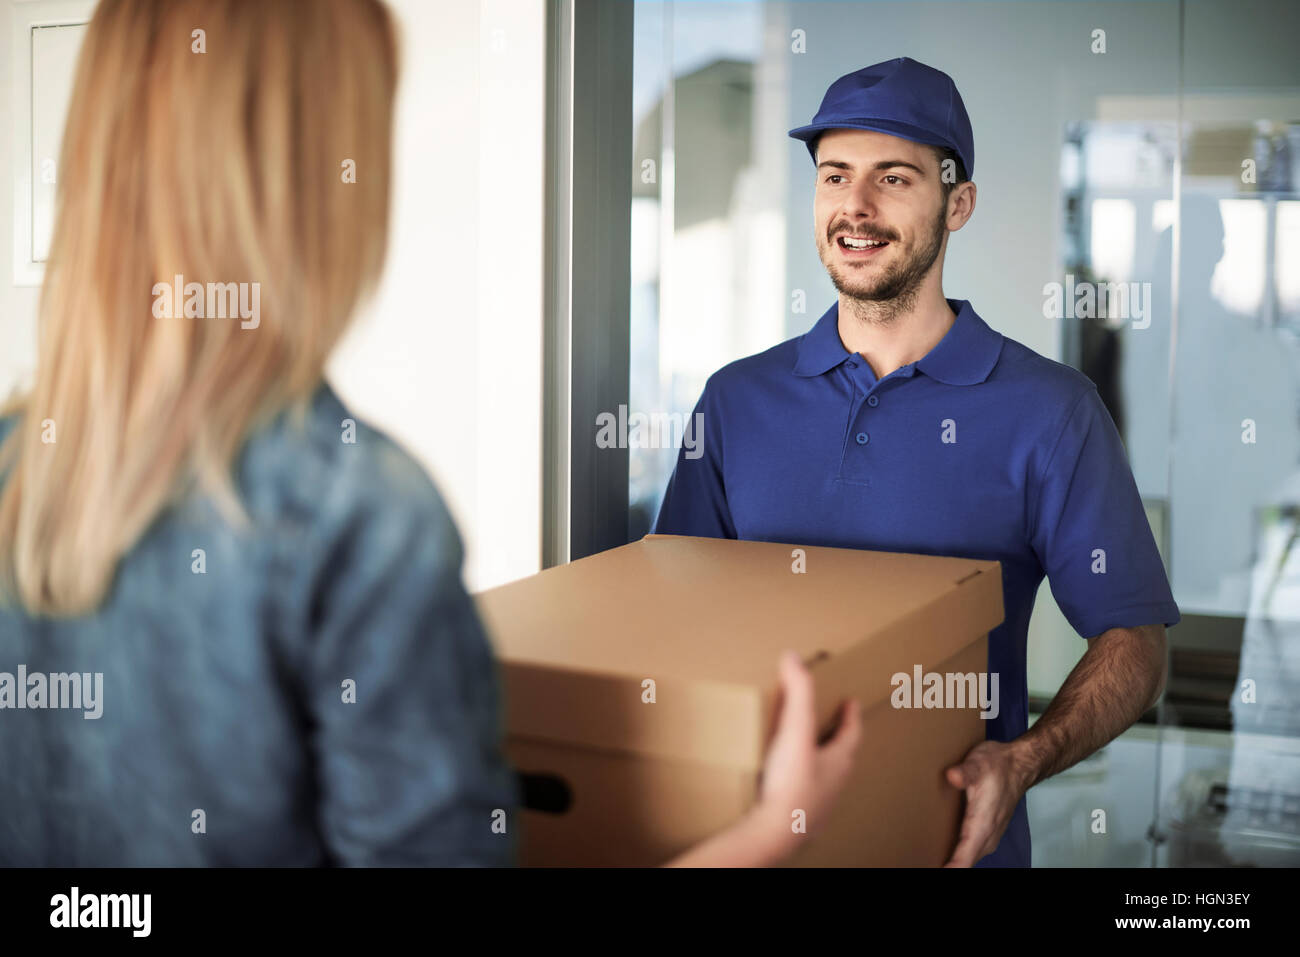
(1161, 173)
(1231, 795)
(706, 225)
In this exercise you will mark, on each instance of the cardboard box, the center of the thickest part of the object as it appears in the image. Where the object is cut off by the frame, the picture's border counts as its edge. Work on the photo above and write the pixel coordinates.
(698, 624)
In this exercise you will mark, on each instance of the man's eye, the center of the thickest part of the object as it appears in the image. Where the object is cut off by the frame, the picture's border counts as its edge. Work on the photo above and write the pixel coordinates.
(834, 178)
(896, 179)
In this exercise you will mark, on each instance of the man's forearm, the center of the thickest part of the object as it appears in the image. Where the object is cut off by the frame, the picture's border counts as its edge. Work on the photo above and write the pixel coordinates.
(1118, 678)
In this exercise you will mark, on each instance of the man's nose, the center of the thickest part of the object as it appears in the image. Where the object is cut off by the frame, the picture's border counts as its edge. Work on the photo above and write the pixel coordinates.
(861, 201)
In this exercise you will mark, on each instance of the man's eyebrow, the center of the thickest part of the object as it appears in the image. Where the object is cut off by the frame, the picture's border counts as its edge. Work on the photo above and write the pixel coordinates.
(882, 165)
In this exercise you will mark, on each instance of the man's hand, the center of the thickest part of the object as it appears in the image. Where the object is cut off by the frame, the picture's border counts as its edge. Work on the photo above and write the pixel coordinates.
(995, 779)
(1119, 676)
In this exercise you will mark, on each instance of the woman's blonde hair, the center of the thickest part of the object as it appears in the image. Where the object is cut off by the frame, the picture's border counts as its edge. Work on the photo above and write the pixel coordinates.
(222, 141)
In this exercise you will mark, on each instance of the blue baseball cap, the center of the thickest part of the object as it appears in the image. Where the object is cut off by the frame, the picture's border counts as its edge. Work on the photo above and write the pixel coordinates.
(901, 97)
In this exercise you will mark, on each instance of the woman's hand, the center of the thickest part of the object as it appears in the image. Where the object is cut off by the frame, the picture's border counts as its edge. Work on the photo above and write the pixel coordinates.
(799, 776)
(800, 782)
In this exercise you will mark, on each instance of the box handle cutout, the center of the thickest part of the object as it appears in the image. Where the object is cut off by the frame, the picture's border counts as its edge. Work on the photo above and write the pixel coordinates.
(548, 793)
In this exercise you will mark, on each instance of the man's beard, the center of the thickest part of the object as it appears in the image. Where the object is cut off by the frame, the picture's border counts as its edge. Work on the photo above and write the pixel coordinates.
(894, 292)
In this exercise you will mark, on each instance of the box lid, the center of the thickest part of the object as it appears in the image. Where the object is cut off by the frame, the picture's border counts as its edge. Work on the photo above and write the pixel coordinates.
(668, 646)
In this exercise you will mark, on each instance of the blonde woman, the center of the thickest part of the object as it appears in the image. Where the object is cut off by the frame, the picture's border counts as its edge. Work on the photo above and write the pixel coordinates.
(182, 524)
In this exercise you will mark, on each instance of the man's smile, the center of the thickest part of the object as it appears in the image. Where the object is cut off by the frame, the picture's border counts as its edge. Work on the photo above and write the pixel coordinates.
(859, 247)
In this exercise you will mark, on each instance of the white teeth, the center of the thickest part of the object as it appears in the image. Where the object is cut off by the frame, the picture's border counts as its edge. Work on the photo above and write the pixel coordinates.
(860, 243)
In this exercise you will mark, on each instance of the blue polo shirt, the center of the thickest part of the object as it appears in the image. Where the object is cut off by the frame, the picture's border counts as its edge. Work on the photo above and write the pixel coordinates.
(981, 449)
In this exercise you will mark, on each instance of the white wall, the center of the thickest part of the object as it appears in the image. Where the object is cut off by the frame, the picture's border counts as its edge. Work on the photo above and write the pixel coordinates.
(448, 357)
(17, 303)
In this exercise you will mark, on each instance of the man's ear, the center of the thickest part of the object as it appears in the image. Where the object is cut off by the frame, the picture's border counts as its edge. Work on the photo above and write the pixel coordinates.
(961, 205)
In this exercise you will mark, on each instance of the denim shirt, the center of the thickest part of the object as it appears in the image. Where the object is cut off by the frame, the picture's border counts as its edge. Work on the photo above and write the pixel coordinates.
(228, 734)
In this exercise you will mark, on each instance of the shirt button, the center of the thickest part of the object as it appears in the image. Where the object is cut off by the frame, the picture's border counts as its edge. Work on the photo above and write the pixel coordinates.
(863, 438)
(852, 364)
(873, 401)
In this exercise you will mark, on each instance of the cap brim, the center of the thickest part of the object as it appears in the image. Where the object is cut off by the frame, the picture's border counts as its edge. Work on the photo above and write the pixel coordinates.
(892, 127)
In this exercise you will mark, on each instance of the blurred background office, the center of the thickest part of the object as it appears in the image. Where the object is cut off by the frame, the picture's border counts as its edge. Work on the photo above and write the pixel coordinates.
(596, 205)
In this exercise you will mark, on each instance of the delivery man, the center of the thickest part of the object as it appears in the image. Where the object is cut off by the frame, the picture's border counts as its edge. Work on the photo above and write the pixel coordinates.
(902, 422)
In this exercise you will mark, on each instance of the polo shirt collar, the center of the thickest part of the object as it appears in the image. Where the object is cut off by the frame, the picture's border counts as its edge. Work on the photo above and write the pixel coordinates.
(964, 356)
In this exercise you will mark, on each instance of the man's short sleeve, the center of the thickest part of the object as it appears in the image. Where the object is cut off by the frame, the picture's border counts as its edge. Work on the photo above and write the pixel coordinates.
(695, 502)
(1091, 533)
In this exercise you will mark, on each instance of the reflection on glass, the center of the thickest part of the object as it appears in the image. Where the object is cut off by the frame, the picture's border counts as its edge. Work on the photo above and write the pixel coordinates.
(707, 243)
(1222, 458)
(1195, 357)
